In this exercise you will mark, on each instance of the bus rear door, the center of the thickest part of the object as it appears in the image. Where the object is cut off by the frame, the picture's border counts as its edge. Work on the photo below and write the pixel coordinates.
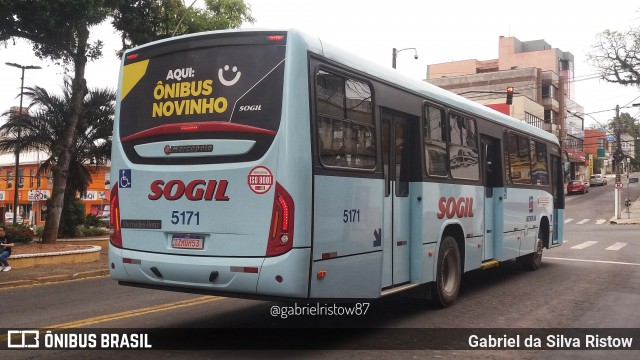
(493, 205)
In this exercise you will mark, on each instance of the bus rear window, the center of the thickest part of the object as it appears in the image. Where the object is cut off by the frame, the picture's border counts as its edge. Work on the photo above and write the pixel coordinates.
(233, 84)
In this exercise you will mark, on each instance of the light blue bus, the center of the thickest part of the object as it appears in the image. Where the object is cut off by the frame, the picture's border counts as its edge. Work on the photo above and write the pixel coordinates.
(270, 164)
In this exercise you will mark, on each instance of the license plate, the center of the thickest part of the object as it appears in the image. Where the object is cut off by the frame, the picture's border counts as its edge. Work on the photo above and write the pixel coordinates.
(187, 241)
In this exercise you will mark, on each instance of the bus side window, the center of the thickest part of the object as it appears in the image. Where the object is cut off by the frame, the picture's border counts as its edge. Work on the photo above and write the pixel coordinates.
(463, 148)
(345, 122)
(540, 167)
(435, 148)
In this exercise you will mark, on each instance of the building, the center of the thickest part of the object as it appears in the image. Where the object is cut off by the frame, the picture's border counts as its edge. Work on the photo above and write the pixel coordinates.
(34, 189)
(543, 93)
(596, 144)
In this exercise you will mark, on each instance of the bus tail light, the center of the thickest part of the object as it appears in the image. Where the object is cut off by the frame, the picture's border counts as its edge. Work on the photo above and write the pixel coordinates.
(281, 232)
(115, 232)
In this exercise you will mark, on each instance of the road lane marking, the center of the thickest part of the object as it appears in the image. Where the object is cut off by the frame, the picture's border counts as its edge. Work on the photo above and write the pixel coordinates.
(585, 244)
(568, 220)
(600, 221)
(616, 246)
(593, 261)
(582, 221)
(136, 312)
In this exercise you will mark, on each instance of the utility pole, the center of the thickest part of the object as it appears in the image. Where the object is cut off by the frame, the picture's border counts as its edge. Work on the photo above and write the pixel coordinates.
(16, 203)
(617, 162)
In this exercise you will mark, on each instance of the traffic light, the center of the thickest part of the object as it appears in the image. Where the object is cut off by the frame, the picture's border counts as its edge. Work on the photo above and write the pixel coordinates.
(510, 95)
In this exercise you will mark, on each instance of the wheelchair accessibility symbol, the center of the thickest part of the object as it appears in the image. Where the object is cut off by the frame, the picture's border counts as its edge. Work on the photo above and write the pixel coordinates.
(125, 179)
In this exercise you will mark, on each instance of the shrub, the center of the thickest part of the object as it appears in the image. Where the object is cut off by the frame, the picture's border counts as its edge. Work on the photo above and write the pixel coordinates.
(73, 215)
(19, 233)
(89, 231)
(39, 230)
(92, 220)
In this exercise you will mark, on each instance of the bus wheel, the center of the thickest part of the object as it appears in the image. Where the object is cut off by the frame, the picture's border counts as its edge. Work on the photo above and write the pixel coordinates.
(534, 260)
(449, 273)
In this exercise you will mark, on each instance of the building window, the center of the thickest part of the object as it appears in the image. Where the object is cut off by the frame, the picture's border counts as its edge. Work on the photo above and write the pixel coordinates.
(9, 180)
(550, 115)
(549, 90)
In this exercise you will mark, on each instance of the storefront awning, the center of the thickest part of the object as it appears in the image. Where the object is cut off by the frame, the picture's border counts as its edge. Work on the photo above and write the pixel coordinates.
(576, 156)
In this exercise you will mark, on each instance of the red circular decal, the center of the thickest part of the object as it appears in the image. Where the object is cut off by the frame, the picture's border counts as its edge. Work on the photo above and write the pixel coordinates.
(260, 179)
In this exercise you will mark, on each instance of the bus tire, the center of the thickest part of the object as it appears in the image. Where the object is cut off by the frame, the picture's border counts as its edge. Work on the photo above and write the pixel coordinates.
(533, 261)
(448, 274)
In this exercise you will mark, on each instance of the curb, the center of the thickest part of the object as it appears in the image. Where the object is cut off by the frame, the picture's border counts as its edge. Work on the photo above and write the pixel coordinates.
(55, 278)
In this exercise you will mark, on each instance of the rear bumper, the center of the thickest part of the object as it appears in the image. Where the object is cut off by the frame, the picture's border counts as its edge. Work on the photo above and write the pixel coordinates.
(233, 275)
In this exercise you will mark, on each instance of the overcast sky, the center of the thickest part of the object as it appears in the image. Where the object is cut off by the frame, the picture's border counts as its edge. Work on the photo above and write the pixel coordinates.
(441, 31)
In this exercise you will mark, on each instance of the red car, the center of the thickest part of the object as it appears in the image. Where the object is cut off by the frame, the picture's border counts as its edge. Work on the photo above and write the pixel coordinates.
(577, 186)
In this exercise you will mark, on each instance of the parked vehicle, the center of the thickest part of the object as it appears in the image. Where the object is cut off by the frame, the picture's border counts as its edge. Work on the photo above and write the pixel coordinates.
(8, 218)
(577, 186)
(597, 179)
(105, 215)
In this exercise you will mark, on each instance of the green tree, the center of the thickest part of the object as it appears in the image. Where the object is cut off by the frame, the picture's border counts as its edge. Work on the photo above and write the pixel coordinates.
(143, 21)
(43, 132)
(627, 125)
(617, 56)
(59, 30)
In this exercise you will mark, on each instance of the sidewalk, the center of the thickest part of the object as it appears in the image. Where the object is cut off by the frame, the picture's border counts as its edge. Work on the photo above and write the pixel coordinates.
(43, 274)
(632, 217)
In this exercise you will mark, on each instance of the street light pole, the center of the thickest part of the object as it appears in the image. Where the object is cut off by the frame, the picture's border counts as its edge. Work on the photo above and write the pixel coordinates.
(17, 181)
(394, 55)
(617, 162)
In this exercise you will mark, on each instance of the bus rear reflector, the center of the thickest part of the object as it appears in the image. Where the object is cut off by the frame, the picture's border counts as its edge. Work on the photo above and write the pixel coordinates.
(281, 232)
(275, 37)
(115, 232)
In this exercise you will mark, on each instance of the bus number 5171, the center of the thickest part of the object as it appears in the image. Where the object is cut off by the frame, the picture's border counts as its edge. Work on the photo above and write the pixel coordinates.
(185, 217)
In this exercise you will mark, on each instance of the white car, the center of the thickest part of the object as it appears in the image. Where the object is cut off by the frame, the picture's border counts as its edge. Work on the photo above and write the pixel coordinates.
(105, 215)
(8, 218)
(597, 179)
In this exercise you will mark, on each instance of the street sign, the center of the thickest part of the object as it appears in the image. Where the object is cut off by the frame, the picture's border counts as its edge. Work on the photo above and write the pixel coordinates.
(619, 185)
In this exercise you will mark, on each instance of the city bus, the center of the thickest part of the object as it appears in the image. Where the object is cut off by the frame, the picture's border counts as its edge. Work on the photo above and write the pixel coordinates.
(273, 165)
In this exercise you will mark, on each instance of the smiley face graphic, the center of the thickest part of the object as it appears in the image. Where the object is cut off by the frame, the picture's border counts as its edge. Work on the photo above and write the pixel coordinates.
(231, 82)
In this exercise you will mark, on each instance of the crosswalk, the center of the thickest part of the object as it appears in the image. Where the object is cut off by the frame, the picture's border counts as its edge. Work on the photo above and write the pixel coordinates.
(583, 245)
(586, 221)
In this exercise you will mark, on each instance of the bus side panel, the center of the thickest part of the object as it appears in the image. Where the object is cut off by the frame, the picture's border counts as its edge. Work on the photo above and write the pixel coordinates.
(347, 241)
(540, 206)
(423, 249)
(355, 276)
(456, 206)
(516, 203)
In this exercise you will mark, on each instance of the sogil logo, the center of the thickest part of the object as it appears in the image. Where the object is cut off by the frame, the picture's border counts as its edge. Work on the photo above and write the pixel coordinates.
(451, 207)
(250, 108)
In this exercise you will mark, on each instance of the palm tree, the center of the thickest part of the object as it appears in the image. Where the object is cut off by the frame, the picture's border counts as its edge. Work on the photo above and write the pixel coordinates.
(43, 131)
